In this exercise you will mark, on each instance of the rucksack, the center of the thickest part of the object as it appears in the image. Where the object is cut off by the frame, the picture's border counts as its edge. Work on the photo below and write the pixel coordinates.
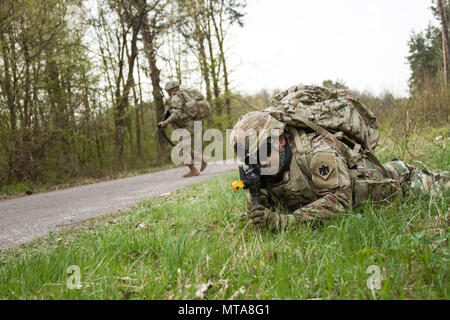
(196, 106)
(320, 108)
(344, 116)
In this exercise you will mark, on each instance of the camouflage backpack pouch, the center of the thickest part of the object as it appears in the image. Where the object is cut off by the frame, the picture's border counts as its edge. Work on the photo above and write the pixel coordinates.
(196, 106)
(333, 110)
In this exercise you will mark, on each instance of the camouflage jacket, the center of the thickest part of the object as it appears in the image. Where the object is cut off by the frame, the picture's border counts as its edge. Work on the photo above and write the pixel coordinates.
(178, 117)
(326, 177)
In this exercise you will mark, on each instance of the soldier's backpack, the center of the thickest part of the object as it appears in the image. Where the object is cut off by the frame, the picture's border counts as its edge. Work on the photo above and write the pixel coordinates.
(336, 111)
(196, 106)
(339, 112)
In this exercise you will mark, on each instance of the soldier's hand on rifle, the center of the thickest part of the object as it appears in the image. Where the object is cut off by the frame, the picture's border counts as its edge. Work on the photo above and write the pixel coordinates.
(262, 199)
(262, 216)
(163, 124)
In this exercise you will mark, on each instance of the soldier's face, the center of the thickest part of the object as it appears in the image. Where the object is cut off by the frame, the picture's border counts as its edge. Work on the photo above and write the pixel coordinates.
(270, 161)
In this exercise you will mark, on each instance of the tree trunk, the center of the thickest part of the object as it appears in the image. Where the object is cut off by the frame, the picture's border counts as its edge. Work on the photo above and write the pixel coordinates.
(446, 44)
(150, 53)
(122, 100)
(213, 70)
(220, 39)
(119, 113)
(7, 88)
(137, 115)
(204, 68)
(444, 54)
(141, 104)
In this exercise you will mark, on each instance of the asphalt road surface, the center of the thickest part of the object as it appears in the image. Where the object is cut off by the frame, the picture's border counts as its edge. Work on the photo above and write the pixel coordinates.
(27, 218)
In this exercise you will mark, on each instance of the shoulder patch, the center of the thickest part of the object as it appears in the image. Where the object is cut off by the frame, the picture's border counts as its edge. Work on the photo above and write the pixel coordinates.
(324, 170)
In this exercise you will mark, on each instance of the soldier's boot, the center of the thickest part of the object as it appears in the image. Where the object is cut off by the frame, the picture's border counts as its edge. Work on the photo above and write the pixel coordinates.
(192, 173)
(204, 164)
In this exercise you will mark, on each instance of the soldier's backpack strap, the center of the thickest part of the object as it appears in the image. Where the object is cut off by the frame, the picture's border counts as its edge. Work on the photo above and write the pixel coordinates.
(184, 99)
(301, 155)
(314, 126)
(368, 153)
(302, 181)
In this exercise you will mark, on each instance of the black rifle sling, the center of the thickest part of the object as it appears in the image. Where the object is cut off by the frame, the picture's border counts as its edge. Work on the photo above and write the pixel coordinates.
(167, 138)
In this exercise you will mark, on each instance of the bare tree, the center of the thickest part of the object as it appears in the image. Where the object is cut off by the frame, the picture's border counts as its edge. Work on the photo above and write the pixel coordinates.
(223, 14)
(134, 21)
(446, 44)
(153, 26)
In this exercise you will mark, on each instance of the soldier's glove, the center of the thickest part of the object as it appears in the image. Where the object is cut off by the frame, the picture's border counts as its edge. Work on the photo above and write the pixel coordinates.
(262, 216)
(263, 200)
(163, 124)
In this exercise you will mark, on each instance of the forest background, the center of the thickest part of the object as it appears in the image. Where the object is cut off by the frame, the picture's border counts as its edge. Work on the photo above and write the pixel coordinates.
(81, 84)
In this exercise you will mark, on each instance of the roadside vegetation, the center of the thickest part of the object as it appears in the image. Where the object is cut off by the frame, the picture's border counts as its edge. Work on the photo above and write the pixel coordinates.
(22, 189)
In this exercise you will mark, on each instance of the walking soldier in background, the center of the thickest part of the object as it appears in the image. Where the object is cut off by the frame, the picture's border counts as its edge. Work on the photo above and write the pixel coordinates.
(187, 106)
(321, 142)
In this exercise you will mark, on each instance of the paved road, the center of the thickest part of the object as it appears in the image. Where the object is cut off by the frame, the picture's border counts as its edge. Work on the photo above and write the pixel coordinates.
(26, 218)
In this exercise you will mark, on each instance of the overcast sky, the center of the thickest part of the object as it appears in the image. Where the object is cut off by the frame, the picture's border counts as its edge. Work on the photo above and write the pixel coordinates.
(363, 42)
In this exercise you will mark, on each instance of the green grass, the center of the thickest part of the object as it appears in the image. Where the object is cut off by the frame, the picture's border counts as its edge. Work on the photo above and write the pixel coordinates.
(168, 247)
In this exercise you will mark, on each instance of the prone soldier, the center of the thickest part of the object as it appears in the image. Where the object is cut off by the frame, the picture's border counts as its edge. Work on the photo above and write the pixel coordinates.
(310, 175)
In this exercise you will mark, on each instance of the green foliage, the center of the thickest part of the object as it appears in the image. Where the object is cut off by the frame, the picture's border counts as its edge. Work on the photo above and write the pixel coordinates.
(14, 189)
(426, 53)
(425, 58)
(46, 80)
(435, 10)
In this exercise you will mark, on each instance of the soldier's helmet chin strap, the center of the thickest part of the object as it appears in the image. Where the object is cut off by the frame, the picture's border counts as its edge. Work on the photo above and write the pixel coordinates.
(286, 155)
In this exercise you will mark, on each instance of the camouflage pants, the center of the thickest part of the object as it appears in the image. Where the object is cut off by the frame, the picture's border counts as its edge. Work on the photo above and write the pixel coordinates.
(414, 180)
(187, 143)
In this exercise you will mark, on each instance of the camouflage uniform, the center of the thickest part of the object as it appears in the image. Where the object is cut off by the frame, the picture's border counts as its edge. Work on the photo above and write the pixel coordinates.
(325, 176)
(179, 119)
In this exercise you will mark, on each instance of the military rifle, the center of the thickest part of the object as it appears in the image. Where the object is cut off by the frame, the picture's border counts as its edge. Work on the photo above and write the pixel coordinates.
(158, 129)
(251, 178)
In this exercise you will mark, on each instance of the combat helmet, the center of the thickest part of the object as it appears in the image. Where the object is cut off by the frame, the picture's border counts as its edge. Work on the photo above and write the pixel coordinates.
(254, 129)
(172, 85)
